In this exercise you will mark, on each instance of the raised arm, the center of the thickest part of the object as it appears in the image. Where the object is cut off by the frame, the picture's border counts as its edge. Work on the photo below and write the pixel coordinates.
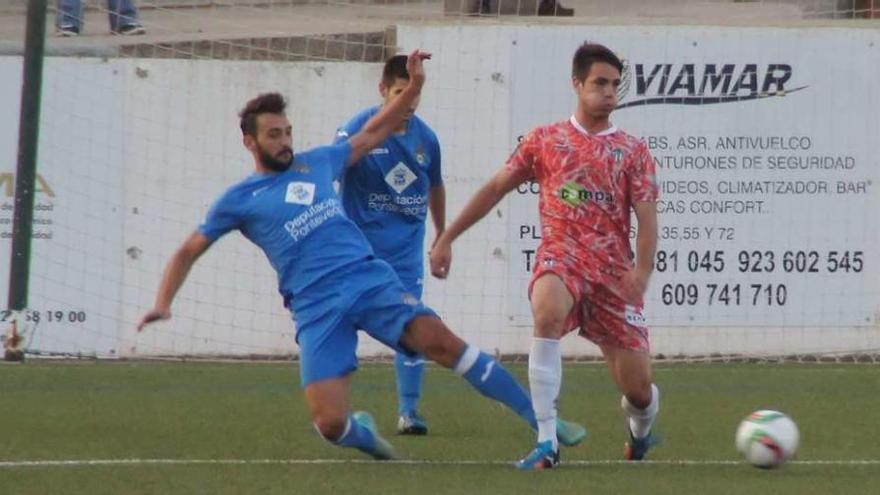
(174, 275)
(380, 126)
(476, 208)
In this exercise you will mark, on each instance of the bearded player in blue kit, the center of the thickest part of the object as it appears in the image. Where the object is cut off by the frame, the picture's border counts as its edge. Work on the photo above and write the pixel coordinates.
(328, 274)
(388, 195)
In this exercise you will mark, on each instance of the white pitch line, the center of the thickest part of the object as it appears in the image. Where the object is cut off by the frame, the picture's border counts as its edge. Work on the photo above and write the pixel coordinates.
(603, 462)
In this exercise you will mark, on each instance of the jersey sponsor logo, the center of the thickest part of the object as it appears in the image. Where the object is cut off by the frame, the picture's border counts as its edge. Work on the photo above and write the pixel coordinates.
(414, 205)
(575, 194)
(400, 177)
(379, 151)
(313, 217)
(300, 193)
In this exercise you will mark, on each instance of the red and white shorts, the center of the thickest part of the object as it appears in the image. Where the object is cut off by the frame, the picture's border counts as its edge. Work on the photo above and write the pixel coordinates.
(602, 316)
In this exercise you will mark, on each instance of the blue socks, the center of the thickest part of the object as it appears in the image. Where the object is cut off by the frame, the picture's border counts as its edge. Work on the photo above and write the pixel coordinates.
(357, 436)
(492, 380)
(409, 382)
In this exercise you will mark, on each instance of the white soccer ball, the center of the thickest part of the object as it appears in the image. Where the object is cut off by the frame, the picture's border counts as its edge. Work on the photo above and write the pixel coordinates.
(767, 439)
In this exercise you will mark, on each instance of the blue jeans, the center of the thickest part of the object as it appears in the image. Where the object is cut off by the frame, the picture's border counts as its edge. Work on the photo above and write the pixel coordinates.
(122, 13)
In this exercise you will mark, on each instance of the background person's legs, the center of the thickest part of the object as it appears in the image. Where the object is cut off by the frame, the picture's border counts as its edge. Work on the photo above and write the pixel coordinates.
(124, 17)
(69, 16)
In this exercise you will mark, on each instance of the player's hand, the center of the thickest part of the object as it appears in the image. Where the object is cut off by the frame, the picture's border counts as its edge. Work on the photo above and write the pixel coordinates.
(441, 258)
(153, 315)
(415, 68)
(634, 284)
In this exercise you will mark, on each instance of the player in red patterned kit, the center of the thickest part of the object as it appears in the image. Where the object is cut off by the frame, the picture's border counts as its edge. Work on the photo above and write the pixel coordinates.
(592, 175)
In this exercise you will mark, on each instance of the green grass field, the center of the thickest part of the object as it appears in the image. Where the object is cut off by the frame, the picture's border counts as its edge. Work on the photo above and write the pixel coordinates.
(245, 429)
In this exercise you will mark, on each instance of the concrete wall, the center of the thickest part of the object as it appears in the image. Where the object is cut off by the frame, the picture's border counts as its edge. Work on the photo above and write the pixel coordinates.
(134, 150)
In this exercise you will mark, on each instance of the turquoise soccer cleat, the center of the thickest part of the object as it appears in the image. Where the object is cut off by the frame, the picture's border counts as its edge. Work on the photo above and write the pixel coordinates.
(383, 450)
(569, 433)
(541, 457)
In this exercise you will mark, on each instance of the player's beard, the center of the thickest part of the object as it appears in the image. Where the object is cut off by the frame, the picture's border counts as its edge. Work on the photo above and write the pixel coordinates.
(277, 162)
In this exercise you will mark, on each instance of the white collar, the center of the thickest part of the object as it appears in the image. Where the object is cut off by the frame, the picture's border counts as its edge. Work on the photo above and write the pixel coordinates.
(577, 125)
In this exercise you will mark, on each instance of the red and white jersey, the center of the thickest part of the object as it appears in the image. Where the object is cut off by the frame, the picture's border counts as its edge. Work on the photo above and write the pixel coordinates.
(589, 183)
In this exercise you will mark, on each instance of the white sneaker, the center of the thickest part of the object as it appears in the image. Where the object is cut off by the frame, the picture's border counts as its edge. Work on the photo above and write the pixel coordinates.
(66, 31)
(131, 30)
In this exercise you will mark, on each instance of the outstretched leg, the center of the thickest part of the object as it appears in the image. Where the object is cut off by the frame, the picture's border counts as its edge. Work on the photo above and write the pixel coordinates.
(395, 317)
(429, 336)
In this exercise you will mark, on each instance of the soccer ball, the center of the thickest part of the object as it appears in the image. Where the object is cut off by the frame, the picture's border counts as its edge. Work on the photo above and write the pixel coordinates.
(767, 439)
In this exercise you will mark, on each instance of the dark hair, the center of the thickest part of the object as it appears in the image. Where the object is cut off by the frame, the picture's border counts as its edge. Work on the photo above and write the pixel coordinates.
(395, 68)
(590, 53)
(264, 103)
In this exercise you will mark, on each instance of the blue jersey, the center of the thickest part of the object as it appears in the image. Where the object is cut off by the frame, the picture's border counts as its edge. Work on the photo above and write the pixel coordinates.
(386, 193)
(297, 219)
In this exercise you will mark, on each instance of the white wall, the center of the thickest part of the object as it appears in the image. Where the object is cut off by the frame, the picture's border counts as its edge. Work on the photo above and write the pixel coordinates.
(135, 150)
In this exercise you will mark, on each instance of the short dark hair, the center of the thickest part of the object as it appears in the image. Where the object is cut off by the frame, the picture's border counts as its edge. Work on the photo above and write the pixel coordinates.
(264, 103)
(395, 68)
(590, 53)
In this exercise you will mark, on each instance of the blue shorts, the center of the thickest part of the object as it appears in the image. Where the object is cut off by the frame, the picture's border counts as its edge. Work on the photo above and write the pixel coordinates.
(414, 286)
(366, 296)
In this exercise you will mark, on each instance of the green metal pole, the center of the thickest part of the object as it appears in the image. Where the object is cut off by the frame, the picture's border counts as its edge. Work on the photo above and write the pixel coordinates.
(28, 137)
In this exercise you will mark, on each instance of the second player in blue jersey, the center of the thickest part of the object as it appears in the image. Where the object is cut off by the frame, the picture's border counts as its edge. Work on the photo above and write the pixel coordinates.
(388, 195)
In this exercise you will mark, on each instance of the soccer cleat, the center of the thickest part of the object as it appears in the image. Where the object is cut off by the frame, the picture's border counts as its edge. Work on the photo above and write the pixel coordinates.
(569, 433)
(411, 424)
(636, 448)
(383, 450)
(542, 457)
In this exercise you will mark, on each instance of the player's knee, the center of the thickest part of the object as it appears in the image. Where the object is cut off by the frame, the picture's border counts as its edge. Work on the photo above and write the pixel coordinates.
(331, 427)
(435, 341)
(639, 395)
(442, 350)
(548, 324)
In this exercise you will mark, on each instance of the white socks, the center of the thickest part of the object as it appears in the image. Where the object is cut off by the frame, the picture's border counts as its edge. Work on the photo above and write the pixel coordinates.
(545, 380)
(641, 420)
